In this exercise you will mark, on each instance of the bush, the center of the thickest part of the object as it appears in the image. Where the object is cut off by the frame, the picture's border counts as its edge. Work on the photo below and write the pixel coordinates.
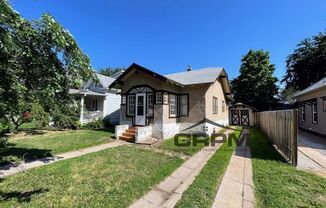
(96, 124)
(3, 142)
(39, 116)
(66, 116)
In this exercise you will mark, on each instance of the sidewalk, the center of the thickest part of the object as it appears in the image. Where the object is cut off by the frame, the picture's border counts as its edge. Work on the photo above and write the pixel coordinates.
(8, 170)
(236, 189)
(169, 192)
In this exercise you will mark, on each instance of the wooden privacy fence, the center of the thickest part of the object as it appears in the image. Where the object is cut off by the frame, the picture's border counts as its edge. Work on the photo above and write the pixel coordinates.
(281, 127)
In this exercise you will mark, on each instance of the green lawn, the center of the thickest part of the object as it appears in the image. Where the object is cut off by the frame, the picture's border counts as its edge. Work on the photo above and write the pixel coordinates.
(110, 178)
(47, 143)
(168, 145)
(202, 191)
(278, 184)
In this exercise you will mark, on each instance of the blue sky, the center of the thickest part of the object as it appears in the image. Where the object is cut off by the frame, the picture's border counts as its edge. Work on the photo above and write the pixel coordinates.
(167, 35)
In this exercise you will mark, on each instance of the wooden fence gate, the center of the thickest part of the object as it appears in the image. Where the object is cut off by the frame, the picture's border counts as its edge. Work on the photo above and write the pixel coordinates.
(281, 127)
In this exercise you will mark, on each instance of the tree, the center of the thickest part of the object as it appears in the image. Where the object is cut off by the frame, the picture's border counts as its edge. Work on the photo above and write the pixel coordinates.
(256, 85)
(39, 62)
(109, 71)
(307, 64)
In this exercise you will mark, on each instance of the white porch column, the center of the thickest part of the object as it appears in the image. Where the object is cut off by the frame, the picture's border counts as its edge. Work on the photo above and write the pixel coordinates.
(81, 108)
(104, 106)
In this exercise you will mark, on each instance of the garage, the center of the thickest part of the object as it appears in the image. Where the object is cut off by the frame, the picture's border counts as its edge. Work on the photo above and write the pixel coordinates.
(242, 114)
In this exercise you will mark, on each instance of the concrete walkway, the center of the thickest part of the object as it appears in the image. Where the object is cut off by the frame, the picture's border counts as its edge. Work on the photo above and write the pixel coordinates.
(236, 189)
(8, 170)
(311, 153)
(169, 192)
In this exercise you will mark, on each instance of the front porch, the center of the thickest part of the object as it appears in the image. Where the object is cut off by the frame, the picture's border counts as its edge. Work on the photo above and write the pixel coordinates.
(92, 105)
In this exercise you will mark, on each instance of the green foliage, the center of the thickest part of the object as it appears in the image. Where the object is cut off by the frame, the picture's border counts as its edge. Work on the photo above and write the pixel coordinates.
(256, 84)
(307, 64)
(39, 116)
(109, 71)
(39, 61)
(96, 124)
(66, 116)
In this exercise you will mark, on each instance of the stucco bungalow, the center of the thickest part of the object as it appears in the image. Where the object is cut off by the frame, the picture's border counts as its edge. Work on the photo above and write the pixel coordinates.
(159, 106)
(312, 107)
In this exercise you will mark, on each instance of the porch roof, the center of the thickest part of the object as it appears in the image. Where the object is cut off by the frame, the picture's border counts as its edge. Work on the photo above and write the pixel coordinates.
(85, 92)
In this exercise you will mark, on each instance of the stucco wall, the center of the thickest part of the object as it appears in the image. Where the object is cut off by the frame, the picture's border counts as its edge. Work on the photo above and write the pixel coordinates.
(216, 90)
(319, 127)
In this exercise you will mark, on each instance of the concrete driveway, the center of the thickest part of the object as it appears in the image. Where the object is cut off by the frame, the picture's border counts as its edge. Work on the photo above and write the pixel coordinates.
(312, 152)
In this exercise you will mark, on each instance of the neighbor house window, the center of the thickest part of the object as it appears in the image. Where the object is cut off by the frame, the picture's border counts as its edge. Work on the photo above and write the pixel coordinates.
(324, 103)
(303, 112)
(215, 105)
(94, 104)
(150, 107)
(173, 105)
(314, 113)
(159, 97)
(131, 105)
(123, 99)
(183, 105)
(223, 106)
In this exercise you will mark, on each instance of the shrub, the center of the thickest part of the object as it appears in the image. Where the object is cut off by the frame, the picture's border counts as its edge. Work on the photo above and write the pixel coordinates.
(39, 116)
(96, 124)
(66, 116)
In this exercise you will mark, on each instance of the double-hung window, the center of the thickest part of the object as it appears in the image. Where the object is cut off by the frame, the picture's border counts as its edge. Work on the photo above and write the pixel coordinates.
(150, 107)
(303, 112)
(95, 105)
(215, 105)
(183, 105)
(131, 105)
(314, 112)
(324, 103)
(159, 97)
(173, 105)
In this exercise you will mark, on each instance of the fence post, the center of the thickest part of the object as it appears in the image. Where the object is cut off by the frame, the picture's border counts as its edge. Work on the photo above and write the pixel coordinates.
(295, 138)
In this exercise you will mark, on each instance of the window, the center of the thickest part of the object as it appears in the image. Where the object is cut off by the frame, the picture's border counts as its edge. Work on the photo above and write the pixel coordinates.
(314, 113)
(94, 105)
(324, 103)
(159, 97)
(303, 112)
(150, 107)
(123, 99)
(215, 105)
(131, 105)
(173, 105)
(183, 105)
(223, 106)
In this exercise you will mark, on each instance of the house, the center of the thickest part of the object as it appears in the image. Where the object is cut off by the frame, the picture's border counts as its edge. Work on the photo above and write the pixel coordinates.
(242, 114)
(160, 106)
(312, 107)
(97, 101)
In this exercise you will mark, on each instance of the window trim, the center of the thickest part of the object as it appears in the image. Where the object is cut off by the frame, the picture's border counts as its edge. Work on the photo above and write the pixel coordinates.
(187, 114)
(314, 104)
(176, 105)
(147, 104)
(215, 105)
(134, 105)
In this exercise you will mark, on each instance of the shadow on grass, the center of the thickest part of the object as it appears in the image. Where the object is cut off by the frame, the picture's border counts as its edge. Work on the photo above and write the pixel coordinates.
(17, 153)
(25, 196)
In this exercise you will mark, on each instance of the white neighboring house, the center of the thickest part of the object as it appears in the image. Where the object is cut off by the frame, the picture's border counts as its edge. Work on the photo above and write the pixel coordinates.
(97, 101)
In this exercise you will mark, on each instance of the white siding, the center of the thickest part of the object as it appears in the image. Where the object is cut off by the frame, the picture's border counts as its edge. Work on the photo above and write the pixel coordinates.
(112, 110)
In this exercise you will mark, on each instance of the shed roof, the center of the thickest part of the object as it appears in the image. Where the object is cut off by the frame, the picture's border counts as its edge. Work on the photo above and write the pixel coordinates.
(199, 76)
(242, 105)
(312, 88)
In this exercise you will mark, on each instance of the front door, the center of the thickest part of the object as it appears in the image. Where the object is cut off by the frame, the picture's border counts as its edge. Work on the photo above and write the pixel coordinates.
(140, 109)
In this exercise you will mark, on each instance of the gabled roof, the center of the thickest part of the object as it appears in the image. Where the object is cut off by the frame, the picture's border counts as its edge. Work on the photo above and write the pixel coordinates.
(105, 80)
(199, 76)
(312, 88)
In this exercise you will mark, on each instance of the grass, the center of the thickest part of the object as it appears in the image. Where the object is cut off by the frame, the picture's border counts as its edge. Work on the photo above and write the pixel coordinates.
(278, 184)
(202, 191)
(48, 143)
(169, 145)
(110, 178)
